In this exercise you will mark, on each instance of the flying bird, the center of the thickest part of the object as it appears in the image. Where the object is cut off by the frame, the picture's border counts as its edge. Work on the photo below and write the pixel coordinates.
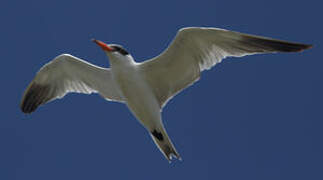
(147, 86)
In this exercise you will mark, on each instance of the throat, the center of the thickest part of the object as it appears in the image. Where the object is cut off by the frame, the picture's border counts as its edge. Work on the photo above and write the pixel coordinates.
(121, 60)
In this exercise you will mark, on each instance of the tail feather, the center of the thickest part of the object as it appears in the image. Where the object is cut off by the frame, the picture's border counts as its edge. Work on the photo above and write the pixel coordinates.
(164, 144)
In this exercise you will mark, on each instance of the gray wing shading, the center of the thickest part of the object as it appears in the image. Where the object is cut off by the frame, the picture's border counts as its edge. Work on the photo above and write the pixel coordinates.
(65, 74)
(197, 49)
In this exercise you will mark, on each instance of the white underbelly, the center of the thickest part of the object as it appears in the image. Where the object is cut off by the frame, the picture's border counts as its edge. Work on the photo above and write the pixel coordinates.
(139, 98)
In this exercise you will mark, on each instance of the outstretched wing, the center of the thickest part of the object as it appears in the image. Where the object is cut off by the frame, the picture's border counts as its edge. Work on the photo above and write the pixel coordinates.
(65, 74)
(196, 49)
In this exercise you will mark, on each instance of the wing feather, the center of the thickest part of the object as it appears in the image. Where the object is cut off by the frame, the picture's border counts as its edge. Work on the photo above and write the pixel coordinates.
(197, 49)
(65, 74)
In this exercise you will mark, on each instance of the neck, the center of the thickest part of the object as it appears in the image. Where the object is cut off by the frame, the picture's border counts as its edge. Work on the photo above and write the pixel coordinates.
(120, 60)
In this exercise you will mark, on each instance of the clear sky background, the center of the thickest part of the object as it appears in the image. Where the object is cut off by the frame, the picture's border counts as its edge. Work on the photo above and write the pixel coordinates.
(257, 117)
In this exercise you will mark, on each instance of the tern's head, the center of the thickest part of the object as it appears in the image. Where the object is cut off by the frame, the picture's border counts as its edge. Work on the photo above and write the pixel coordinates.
(114, 51)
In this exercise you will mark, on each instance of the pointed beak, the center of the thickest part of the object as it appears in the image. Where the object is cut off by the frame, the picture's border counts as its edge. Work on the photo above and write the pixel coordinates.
(104, 46)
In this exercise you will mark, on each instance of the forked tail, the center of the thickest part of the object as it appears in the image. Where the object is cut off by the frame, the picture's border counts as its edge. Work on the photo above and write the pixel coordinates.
(164, 144)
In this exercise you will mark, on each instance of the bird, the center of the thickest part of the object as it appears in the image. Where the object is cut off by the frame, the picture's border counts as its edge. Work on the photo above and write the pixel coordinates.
(146, 87)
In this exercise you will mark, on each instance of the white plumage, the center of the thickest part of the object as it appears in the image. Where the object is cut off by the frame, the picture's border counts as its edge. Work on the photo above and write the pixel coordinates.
(146, 87)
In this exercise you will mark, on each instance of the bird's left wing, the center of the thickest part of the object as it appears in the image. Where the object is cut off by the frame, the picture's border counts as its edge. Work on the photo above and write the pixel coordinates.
(65, 74)
(196, 49)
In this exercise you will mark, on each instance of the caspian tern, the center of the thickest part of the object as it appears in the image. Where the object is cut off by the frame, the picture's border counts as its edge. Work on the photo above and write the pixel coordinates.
(147, 86)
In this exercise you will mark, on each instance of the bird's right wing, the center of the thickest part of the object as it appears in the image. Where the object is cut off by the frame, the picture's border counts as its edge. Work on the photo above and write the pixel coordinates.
(196, 49)
(65, 74)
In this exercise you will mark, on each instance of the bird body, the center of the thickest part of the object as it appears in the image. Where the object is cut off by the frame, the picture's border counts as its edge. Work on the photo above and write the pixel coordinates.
(141, 100)
(134, 89)
(146, 87)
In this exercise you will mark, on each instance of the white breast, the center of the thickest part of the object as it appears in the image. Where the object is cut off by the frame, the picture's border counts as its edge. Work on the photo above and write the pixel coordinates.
(138, 94)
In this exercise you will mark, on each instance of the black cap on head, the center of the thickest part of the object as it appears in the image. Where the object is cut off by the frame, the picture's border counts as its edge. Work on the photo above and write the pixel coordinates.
(119, 49)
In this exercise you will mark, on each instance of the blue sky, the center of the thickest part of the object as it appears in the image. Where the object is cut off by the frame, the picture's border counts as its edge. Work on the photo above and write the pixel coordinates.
(257, 117)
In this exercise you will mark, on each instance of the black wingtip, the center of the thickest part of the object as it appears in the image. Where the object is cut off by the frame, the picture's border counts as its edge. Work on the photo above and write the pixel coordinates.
(295, 47)
(35, 95)
(275, 45)
(307, 46)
